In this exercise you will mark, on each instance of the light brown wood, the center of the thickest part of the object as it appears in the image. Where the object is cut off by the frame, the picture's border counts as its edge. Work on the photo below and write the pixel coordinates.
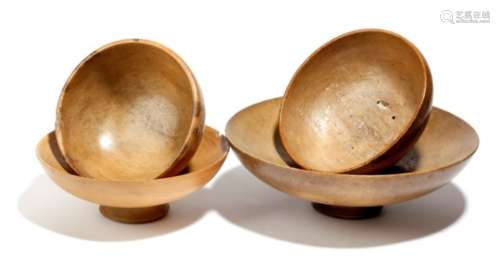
(130, 111)
(129, 196)
(357, 104)
(440, 153)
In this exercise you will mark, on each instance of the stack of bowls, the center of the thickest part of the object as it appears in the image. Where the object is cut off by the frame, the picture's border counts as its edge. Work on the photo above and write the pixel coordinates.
(355, 129)
(130, 132)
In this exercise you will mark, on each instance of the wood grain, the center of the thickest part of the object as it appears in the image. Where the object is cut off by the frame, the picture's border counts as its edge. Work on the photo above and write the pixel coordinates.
(441, 152)
(135, 194)
(131, 110)
(357, 104)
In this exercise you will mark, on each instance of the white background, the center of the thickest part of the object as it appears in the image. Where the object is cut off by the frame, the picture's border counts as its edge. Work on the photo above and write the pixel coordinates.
(237, 227)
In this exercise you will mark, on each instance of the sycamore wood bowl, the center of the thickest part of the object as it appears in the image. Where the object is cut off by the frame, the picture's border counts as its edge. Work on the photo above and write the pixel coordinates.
(136, 201)
(440, 153)
(357, 104)
(130, 111)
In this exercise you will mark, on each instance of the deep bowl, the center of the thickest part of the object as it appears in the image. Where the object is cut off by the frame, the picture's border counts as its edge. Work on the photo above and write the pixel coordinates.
(131, 110)
(357, 104)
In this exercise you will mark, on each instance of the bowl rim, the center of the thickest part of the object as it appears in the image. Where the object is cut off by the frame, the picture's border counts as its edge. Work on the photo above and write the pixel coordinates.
(220, 158)
(427, 93)
(347, 175)
(196, 94)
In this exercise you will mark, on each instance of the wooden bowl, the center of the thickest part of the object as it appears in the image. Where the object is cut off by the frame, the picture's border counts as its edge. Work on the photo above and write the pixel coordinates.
(136, 202)
(131, 110)
(440, 153)
(357, 104)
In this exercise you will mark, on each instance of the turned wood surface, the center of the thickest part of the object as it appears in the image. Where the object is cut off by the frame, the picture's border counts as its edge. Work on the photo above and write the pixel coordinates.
(353, 100)
(201, 168)
(130, 111)
(135, 215)
(444, 147)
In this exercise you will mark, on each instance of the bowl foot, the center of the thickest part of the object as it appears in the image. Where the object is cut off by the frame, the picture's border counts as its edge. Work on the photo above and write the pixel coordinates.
(344, 212)
(135, 215)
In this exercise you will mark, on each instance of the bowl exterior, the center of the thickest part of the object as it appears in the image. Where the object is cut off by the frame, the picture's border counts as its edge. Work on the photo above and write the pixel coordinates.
(345, 189)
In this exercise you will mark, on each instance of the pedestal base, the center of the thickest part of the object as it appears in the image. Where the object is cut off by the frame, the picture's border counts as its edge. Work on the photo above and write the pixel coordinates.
(134, 215)
(344, 212)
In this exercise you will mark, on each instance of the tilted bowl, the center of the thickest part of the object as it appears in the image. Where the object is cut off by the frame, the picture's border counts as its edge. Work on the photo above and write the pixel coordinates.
(357, 104)
(131, 110)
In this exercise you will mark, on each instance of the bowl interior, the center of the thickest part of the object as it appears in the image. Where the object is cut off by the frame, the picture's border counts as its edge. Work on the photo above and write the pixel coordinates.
(126, 112)
(352, 100)
(446, 140)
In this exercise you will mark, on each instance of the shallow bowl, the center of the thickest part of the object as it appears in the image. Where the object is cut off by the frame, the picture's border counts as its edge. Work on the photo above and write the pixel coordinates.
(136, 202)
(440, 153)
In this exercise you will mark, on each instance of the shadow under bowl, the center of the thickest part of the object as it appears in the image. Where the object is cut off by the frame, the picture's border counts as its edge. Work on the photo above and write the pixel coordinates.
(136, 201)
(440, 153)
